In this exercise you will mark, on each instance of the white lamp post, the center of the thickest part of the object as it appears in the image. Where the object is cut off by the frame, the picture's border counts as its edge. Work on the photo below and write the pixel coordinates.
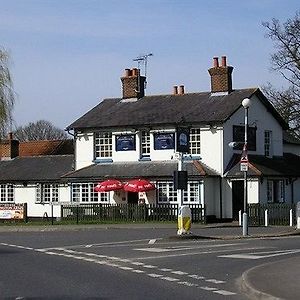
(244, 160)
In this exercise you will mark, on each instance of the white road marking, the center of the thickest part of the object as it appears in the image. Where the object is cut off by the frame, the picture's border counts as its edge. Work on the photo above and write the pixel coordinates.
(259, 255)
(137, 271)
(87, 257)
(215, 281)
(187, 283)
(166, 270)
(179, 272)
(172, 249)
(151, 242)
(196, 276)
(169, 278)
(155, 275)
(207, 288)
(224, 293)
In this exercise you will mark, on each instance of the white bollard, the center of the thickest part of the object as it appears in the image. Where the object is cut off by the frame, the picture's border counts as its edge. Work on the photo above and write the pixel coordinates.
(291, 217)
(266, 218)
(240, 218)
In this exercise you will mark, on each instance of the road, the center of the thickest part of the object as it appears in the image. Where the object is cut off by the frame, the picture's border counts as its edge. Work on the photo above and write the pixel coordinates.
(130, 264)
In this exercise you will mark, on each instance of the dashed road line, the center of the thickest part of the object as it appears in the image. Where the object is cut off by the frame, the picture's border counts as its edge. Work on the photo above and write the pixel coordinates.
(113, 261)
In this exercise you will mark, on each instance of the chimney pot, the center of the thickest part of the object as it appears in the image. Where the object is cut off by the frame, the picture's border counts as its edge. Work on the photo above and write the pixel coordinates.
(175, 90)
(224, 63)
(127, 72)
(134, 72)
(10, 135)
(216, 62)
(181, 90)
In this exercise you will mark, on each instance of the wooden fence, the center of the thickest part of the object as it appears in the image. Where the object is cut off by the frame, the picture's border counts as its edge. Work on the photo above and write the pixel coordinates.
(278, 214)
(127, 212)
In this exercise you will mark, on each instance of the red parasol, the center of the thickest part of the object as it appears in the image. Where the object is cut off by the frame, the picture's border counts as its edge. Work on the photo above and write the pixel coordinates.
(108, 185)
(138, 185)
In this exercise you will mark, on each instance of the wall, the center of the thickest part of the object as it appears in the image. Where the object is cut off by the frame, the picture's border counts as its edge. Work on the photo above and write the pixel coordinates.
(84, 150)
(28, 195)
(259, 116)
(291, 148)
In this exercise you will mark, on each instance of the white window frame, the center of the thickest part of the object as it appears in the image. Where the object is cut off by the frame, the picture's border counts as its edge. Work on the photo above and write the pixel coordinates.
(103, 145)
(195, 141)
(145, 143)
(47, 192)
(7, 193)
(84, 193)
(268, 143)
(167, 194)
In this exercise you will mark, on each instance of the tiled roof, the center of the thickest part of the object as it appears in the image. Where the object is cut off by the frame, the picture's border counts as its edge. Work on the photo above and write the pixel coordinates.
(35, 168)
(46, 147)
(146, 169)
(203, 108)
(287, 165)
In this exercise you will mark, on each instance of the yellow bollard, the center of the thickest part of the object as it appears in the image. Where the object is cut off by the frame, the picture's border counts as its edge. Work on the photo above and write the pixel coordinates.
(184, 220)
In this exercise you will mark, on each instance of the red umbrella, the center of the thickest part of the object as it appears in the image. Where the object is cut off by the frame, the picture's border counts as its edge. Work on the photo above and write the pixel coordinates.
(139, 185)
(108, 185)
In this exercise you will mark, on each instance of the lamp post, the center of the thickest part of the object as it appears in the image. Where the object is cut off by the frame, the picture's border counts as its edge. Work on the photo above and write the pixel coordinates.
(244, 166)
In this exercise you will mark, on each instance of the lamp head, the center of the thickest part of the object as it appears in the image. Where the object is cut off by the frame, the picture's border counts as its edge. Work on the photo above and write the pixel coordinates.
(246, 102)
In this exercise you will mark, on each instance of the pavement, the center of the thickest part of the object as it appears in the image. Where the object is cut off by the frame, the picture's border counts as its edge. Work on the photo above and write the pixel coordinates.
(279, 280)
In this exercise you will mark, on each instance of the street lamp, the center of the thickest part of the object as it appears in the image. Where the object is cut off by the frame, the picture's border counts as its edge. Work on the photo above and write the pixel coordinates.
(244, 166)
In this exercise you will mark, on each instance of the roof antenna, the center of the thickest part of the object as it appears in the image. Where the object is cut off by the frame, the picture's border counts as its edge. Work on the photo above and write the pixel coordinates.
(142, 61)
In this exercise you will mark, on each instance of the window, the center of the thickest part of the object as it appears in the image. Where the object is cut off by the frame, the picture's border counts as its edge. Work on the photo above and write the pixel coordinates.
(275, 191)
(84, 192)
(195, 140)
(47, 193)
(268, 143)
(192, 195)
(239, 136)
(103, 145)
(167, 194)
(145, 144)
(6, 193)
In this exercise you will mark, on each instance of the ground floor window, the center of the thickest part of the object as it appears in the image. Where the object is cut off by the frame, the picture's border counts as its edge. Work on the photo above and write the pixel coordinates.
(167, 194)
(84, 192)
(47, 192)
(275, 191)
(6, 193)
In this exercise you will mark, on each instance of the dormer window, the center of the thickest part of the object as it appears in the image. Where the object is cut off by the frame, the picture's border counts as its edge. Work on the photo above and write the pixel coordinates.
(103, 145)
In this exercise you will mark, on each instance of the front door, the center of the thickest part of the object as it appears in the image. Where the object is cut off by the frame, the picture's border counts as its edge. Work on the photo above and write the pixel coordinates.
(132, 198)
(237, 198)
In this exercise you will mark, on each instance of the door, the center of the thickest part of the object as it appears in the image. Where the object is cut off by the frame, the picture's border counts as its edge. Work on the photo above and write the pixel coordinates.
(132, 198)
(237, 198)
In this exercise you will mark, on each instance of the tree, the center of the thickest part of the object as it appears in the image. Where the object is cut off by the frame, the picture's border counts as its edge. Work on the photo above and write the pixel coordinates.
(286, 61)
(7, 98)
(40, 130)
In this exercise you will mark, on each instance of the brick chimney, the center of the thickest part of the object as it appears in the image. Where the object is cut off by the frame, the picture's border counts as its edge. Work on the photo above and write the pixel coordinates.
(221, 79)
(133, 85)
(9, 148)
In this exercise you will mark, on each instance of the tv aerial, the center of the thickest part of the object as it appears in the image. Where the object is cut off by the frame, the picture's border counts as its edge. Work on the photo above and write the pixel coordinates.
(142, 61)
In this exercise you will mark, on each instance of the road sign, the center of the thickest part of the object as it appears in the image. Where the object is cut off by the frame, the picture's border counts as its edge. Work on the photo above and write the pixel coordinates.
(244, 166)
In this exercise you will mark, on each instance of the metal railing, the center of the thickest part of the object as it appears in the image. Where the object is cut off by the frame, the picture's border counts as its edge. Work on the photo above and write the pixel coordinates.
(127, 212)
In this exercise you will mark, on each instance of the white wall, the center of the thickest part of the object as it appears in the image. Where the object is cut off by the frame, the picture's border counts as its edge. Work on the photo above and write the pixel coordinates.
(28, 195)
(84, 150)
(211, 148)
(259, 116)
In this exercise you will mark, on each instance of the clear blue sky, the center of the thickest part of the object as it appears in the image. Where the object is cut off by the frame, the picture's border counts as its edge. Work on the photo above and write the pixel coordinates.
(69, 55)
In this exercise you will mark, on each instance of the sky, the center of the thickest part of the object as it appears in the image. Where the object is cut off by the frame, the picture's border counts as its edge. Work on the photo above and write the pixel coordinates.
(68, 55)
